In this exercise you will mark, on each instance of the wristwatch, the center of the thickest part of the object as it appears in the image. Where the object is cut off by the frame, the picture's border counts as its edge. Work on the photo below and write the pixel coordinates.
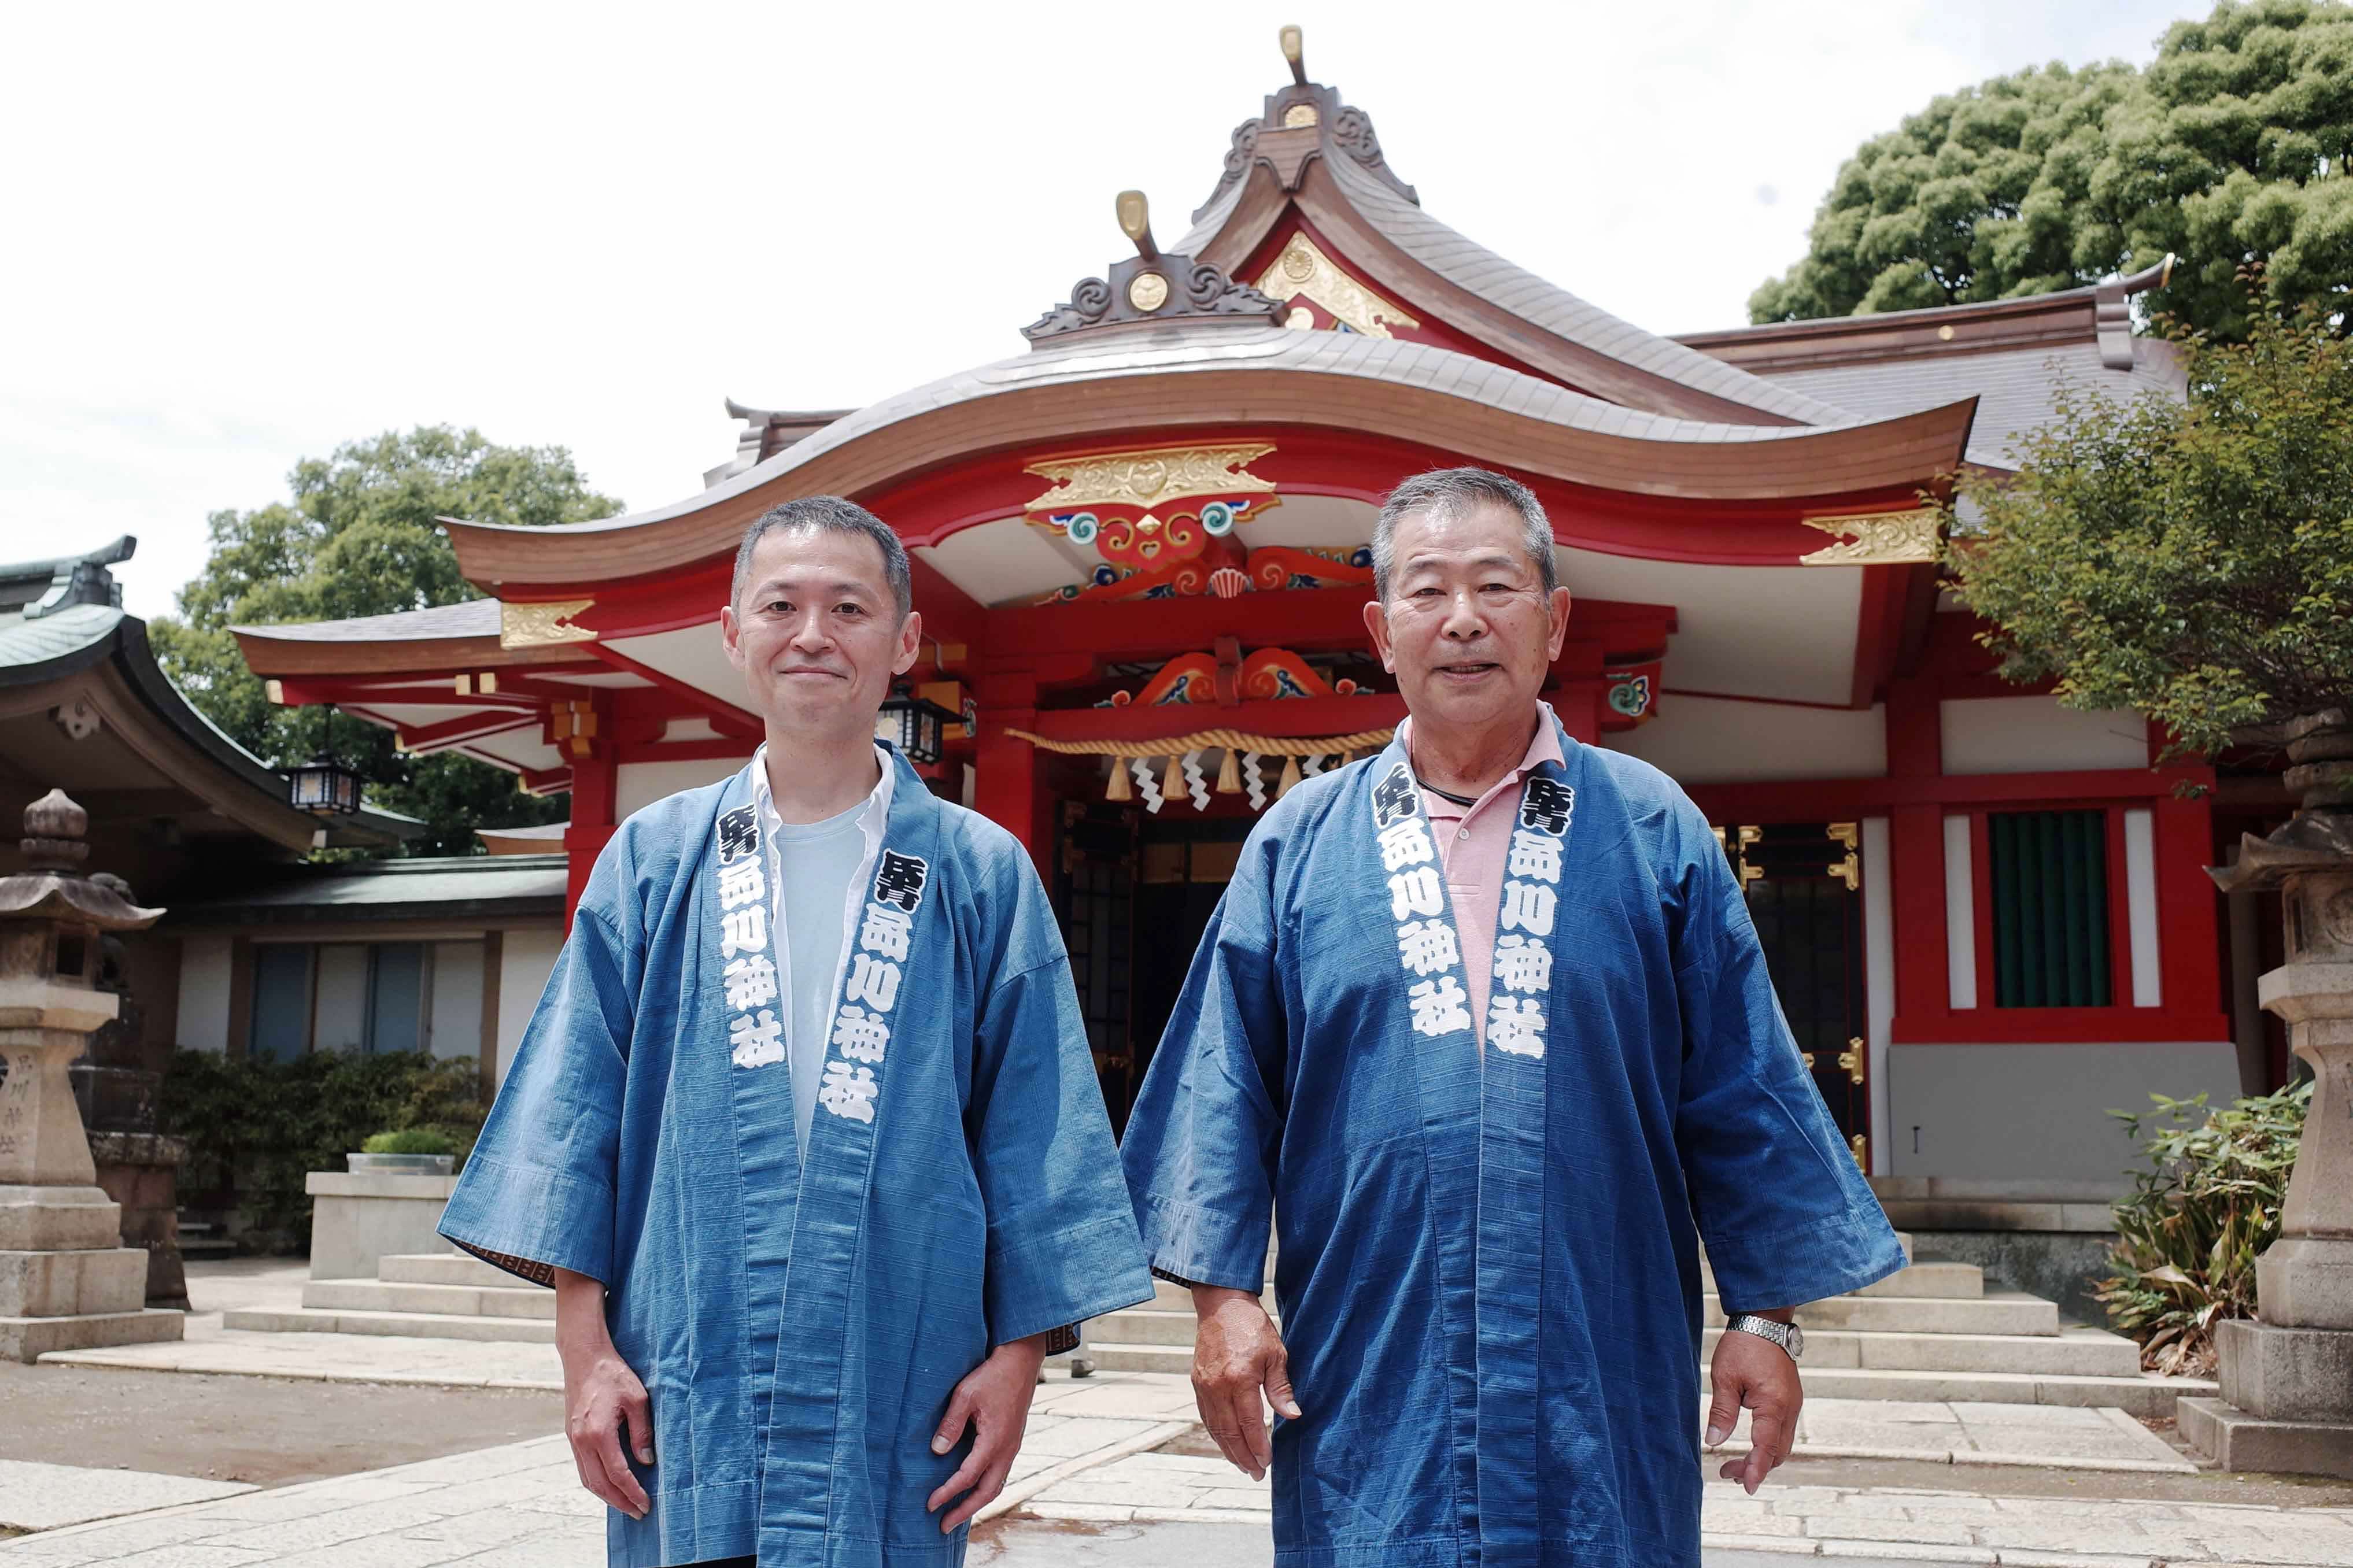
(1789, 1336)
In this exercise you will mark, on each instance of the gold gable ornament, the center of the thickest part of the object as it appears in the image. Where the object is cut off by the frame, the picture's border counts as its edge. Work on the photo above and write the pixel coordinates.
(1877, 539)
(537, 626)
(1303, 271)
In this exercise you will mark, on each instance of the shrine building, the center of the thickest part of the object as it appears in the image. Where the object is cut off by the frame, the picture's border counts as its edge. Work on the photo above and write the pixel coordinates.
(1140, 550)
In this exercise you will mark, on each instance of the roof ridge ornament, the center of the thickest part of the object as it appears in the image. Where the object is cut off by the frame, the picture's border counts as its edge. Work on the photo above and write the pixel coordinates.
(1303, 107)
(1155, 286)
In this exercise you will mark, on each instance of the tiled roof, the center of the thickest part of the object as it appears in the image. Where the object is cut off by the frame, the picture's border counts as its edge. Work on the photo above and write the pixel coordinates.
(27, 648)
(1471, 267)
(2016, 388)
(474, 618)
(381, 890)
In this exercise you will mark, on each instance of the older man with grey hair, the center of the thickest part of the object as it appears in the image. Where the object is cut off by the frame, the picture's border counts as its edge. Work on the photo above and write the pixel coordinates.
(805, 1132)
(1484, 1021)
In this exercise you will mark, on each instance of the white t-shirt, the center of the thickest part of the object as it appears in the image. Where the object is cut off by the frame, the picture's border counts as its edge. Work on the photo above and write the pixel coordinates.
(815, 869)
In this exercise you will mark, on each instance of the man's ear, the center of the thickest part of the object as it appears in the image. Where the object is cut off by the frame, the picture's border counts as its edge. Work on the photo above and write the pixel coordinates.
(731, 635)
(911, 643)
(1376, 624)
(1557, 608)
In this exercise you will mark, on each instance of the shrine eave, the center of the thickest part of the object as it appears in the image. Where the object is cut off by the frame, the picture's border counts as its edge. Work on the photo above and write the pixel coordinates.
(1174, 381)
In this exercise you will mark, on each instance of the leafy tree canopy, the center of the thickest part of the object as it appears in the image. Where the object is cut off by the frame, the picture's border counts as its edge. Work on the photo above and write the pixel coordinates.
(358, 537)
(2232, 149)
(2194, 563)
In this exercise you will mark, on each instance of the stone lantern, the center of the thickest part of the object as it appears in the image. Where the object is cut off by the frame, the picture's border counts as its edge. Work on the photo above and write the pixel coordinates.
(67, 1282)
(2288, 1377)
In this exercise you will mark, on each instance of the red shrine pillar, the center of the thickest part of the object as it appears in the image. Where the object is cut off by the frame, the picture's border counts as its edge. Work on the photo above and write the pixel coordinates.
(1006, 782)
(594, 778)
(1915, 847)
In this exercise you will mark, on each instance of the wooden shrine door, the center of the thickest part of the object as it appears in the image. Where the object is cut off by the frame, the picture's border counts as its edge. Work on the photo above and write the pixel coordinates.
(1803, 883)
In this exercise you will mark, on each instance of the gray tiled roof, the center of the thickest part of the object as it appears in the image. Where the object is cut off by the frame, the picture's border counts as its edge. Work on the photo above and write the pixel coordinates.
(1206, 347)
(2016, 388)
(394, 889)
(474, 618)
(1481, 271)
(28, 646)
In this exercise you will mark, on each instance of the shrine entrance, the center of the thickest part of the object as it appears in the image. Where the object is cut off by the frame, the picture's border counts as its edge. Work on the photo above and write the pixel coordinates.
(1803, 881)
(1135, 892)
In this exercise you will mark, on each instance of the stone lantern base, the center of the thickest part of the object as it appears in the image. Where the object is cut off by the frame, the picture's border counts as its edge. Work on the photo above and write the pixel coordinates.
(66, 1281)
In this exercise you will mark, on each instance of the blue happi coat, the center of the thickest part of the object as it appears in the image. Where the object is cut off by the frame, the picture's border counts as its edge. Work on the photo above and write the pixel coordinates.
(799, 1326)
(1488, 1271)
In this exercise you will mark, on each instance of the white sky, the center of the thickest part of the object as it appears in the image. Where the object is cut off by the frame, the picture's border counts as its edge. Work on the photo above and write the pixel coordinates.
(232, 237)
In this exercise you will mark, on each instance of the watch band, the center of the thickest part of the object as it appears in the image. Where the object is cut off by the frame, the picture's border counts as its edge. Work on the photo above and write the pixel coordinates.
(1786, 1335)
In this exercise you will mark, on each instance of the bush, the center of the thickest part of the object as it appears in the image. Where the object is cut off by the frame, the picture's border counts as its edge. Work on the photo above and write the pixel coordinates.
(2205, 1207)
(255, 1129)
(410, 1141)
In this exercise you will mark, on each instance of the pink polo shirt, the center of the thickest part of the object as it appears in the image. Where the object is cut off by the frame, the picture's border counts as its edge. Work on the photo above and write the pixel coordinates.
(1474, 843)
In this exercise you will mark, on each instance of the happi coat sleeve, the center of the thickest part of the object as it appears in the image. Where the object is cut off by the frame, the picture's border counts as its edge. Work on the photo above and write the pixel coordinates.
(1062, 1245)
(538, 1193)
(1202, 1143)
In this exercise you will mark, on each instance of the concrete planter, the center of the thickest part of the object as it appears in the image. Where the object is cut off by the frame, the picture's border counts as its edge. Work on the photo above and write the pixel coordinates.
(359, 1217)
(403, 1165)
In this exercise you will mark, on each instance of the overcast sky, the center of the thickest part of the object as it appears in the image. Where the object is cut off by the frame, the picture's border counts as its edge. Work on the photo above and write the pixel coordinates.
(236, 236)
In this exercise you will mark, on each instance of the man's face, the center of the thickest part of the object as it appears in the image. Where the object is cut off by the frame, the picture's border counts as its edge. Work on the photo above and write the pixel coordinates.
(816, 631)
(1469, 630)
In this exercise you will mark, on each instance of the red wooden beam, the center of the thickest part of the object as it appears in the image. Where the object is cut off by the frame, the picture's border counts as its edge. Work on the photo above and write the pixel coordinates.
(420, 740)
(724, 716)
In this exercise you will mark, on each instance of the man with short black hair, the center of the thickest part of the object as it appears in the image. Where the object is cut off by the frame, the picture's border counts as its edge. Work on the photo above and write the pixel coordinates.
(805, 1132)
(1485, 1023)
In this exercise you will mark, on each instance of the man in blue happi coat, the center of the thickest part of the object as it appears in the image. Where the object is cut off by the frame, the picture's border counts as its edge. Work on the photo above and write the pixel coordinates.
(1485, 1023)
(805, 1132)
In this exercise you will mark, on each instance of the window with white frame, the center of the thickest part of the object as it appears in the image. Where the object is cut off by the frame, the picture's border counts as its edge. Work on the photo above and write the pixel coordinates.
(368, 997)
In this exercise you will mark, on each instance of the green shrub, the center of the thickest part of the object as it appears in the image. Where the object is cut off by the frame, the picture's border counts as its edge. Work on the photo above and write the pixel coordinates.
(2201, 1211)
(410, 1141)
(255, 1129)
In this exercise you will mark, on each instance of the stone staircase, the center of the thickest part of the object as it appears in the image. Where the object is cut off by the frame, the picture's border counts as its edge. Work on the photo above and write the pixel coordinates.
(426, 1295)
(1933, 1331)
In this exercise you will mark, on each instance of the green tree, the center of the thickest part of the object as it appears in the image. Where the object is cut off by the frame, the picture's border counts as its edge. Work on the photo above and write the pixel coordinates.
(358, 537)
(2192, 562)
(2230, 150)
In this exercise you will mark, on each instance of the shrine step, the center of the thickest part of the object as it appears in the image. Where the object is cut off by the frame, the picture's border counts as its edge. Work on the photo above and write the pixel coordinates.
(1953, 1281)
(2144, 1395)
(397, 1325)
(1995, 1312)
(509, 1300)
(444, 1268)
(2072, 1352)
(2140, 1394)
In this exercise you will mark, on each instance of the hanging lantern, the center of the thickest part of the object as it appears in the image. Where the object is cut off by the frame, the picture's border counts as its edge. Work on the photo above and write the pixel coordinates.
(912, 724)
(324, 787)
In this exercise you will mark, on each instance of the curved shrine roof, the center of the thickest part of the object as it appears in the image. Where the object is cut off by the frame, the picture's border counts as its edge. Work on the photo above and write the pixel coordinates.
(1216, 372)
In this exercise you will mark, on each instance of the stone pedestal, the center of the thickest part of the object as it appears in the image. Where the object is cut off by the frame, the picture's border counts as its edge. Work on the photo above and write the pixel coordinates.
(359, 1217)
(66, 1281)
(2287, 1380)
(141, 1171)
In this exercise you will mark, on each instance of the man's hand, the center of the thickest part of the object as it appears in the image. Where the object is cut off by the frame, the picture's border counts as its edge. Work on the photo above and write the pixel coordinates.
(994, 1401)
(601, 1395)
(1752, 1371)
(1237, 1352)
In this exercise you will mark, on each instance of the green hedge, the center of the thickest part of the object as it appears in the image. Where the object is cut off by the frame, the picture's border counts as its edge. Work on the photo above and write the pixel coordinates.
(2203, 1210)
(255, 1129)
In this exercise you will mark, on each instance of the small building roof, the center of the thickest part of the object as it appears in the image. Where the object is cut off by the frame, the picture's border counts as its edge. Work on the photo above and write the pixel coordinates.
(85, 707)
(472, 886)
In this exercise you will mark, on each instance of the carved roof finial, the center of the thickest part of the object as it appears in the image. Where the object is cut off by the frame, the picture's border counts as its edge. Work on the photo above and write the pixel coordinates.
(1135, 222)
(1154, 287)
(1295, 50)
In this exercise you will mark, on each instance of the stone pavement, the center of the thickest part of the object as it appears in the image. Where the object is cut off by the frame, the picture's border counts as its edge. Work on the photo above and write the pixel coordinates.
(44, 1497)
(520, 1506)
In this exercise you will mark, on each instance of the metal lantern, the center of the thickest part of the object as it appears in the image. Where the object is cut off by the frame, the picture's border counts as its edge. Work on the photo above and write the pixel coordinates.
(912, 724)
(324, 787)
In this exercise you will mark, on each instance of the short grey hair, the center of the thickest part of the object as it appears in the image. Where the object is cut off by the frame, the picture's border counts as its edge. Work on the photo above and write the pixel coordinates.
(1449, 492)
(830, 514)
